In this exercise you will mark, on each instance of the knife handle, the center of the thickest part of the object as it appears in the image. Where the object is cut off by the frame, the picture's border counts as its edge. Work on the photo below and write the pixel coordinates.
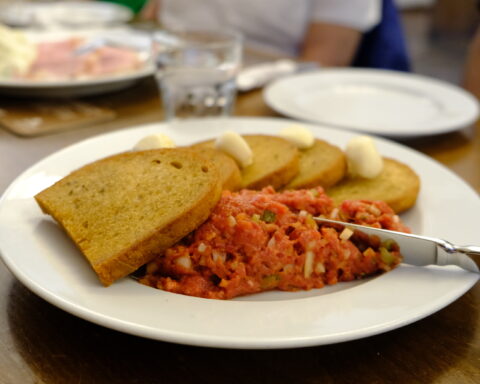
(470, 250)
(464, 256)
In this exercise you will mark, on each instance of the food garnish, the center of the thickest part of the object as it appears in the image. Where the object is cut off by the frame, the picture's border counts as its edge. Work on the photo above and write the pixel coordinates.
(155, 141)
(235, 145)
(363, 158)
(299, 135)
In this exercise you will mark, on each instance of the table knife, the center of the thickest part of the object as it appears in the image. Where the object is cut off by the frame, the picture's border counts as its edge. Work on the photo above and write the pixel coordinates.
(419, 250)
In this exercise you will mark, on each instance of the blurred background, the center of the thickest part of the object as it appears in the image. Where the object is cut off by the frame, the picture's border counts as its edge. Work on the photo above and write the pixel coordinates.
(438, 33)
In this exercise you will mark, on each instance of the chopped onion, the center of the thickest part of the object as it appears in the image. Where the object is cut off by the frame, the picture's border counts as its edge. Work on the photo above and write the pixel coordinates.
(308, 267)
(319, 268)
(231, 221)
(346, 233)
(374, 210)
(184, 261)
(271, 242)
(334, 213)
(201, 247)
(217, 255)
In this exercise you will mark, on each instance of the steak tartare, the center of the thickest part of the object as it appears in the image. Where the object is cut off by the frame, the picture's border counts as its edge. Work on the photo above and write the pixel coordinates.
(261, 240)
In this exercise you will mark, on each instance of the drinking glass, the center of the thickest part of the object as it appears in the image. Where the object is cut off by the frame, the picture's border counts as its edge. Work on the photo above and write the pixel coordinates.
(196, 72)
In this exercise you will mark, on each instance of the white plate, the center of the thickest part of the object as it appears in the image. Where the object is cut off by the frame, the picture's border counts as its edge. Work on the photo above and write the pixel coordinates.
(387, 103)
(66, 14)
(41, 256)
(84, 86)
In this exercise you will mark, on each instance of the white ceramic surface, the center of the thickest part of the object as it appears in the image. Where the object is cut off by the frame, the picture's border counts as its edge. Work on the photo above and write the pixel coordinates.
(387, 103)
(63, 13)
(41, 256)
(84, 86)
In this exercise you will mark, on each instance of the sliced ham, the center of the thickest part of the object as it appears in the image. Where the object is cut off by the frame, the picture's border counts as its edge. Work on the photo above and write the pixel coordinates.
(58, 60)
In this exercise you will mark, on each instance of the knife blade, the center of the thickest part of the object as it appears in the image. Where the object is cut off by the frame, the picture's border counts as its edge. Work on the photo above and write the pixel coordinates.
(258, 75)
(419, 250)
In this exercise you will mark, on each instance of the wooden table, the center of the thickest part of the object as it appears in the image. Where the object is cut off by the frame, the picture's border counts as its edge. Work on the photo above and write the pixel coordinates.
(42, 344)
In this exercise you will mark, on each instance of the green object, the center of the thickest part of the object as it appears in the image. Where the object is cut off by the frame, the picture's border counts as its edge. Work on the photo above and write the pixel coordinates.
(386, 256)
(389, 244)
(268, 216)
(134, 5)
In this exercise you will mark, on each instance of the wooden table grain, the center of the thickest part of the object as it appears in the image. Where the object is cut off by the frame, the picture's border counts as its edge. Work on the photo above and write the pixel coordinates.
(40, 343)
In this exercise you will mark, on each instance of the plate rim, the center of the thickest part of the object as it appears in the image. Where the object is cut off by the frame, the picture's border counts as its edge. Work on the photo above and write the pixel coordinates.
(146, 71)
(199, 340)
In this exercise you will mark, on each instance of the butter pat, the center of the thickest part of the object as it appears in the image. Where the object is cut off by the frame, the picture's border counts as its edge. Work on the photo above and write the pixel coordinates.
(299, 135)
(158, 140)
(235, 145)
(363, 158)
(17, 52)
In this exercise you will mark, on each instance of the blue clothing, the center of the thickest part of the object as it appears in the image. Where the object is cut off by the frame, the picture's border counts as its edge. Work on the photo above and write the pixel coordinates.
(384, 46)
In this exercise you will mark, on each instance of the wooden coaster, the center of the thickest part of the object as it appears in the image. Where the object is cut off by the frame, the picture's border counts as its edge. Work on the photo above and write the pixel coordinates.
(31, 118)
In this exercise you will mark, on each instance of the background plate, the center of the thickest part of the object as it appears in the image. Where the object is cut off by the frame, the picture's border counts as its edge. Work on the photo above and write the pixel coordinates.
(84, 86)
(63, 13)
(41, 256)
(387, 103)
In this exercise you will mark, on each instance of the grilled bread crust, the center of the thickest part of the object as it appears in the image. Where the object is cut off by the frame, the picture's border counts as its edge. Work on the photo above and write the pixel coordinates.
(275, 161)
(123, 210)
(230, 175)
(322, 164)
(398, 185)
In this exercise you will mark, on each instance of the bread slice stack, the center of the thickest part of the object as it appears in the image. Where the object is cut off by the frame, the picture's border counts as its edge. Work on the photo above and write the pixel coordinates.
(280, 164)
(275, 161)
(123, 210)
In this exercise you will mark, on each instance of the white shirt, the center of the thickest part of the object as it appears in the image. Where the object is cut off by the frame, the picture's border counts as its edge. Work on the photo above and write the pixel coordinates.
(276, 25)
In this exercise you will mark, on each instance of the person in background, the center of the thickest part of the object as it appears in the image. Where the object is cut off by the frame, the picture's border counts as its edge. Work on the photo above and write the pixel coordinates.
(329, 32)
(471, 76)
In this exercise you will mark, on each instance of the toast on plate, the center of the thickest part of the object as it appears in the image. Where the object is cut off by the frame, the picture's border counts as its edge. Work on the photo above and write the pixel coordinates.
(398, 185)
(275, 161)
(322, 164)
(230, 175)
(123, 210)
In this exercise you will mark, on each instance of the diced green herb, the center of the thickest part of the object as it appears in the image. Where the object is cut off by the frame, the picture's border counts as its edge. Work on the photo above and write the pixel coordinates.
(388, 244)
(270, 282)
(268, 216)
(386, 256)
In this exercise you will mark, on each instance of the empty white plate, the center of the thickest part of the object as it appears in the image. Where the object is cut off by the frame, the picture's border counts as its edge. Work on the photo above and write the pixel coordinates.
(388, 103)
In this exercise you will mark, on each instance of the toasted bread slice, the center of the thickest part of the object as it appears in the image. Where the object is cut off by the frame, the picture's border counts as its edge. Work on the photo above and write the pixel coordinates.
(275, 161)
(123, 210)
(398, 185)
(229, 171)
(322, 164)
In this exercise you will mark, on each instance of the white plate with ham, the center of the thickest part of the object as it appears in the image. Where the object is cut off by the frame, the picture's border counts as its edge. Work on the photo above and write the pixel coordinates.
(72, 64)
